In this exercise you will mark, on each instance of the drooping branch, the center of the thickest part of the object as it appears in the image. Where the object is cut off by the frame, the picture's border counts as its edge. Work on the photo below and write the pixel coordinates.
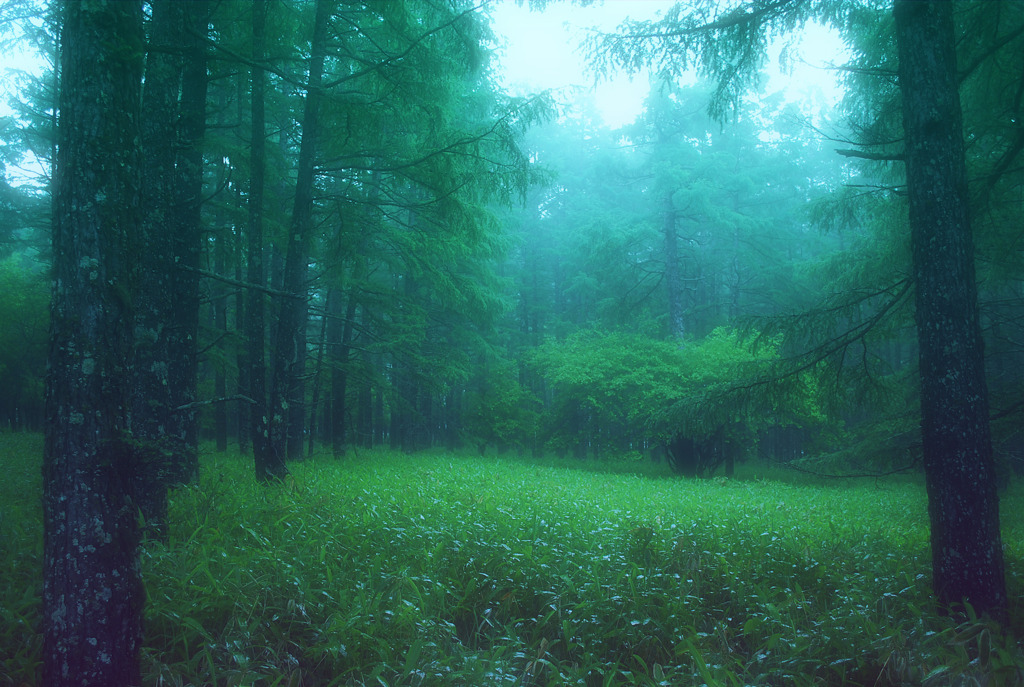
(409, 48)
(211, 401)
(838, 343)
(243, 284)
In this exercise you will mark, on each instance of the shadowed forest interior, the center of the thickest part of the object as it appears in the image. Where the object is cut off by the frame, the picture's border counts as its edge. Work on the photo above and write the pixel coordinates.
(331, 357)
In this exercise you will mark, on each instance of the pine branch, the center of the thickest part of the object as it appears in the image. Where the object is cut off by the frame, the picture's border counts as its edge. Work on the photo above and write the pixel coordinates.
(211, 401)
(864, 155)
(729, 21)
(412, 46)
(243, 284)
(838, 343)
(452, 148)
(992, 49)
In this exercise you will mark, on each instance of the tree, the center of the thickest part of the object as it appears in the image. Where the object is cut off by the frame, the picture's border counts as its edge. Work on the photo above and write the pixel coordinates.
(963, 506)
(289, 354)
(92, 593)
(167, 302)
(267, 464)
(967, 560)
(624, 391)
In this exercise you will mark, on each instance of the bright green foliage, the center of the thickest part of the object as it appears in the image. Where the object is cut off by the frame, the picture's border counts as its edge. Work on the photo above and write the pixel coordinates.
(398, 570)
(637, 388)
(594, 256)
(501, 411)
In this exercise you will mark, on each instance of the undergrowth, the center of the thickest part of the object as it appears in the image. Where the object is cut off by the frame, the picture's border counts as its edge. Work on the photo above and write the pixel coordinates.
(386, 569)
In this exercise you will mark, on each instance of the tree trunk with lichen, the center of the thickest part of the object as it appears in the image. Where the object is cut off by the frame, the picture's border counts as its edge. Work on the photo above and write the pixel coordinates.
(92, 591)
(963, 505)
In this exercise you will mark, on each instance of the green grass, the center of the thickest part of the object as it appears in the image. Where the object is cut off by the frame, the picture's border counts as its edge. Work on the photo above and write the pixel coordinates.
(441, 570)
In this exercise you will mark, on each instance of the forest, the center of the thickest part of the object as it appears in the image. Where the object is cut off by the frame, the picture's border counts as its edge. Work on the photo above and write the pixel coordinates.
(330, 359)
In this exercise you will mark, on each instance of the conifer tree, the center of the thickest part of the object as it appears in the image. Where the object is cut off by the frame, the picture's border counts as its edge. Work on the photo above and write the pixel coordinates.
(92, 592)
(729, 46)
(963, 506)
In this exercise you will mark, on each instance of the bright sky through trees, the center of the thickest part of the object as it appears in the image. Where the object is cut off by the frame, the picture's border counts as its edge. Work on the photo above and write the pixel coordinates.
(540, 50)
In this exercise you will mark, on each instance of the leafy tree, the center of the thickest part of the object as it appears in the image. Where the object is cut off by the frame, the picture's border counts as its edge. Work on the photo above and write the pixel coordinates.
(631, 390)
(414, 242)
(501, 411)
(23, 216)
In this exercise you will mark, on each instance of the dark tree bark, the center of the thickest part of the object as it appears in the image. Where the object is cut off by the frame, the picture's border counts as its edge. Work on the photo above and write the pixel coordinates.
(267, 464)
(377, 427)
(187, 228)
(296, 375)
(92, 592)
(963, 505)
(673, 278)
(289, 341)
(243, 411)
(364, 407)
(153, 403)
(220, 328)
(334, 417)
(341, 344)
(167, 302)
(318, 368)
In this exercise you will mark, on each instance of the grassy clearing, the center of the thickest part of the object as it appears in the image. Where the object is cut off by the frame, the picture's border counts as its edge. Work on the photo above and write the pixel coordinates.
(441, 570)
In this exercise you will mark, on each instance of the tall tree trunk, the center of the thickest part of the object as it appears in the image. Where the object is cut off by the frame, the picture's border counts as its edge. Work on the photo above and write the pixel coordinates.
(92, 591)
(364, 406)
(963, 505)
(163, 418)
(220, 330)
(377, 427)
(318, 373)
(296, 371)
(341, 346)
(153, 403)
(243, 411)
(287, 355)
(187, 228)
(673, 278)
(267, 464)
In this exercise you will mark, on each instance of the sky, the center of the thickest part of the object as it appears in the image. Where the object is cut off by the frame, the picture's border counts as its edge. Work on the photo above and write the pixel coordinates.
(540, 51)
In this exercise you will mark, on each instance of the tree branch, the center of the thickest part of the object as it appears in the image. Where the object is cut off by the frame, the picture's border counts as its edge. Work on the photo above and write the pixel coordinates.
(242, 284)
(730, 20)
(196, 404)
(864, 155)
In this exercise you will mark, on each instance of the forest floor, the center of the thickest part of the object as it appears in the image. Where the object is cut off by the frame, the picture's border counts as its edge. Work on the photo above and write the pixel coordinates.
(387, 569)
